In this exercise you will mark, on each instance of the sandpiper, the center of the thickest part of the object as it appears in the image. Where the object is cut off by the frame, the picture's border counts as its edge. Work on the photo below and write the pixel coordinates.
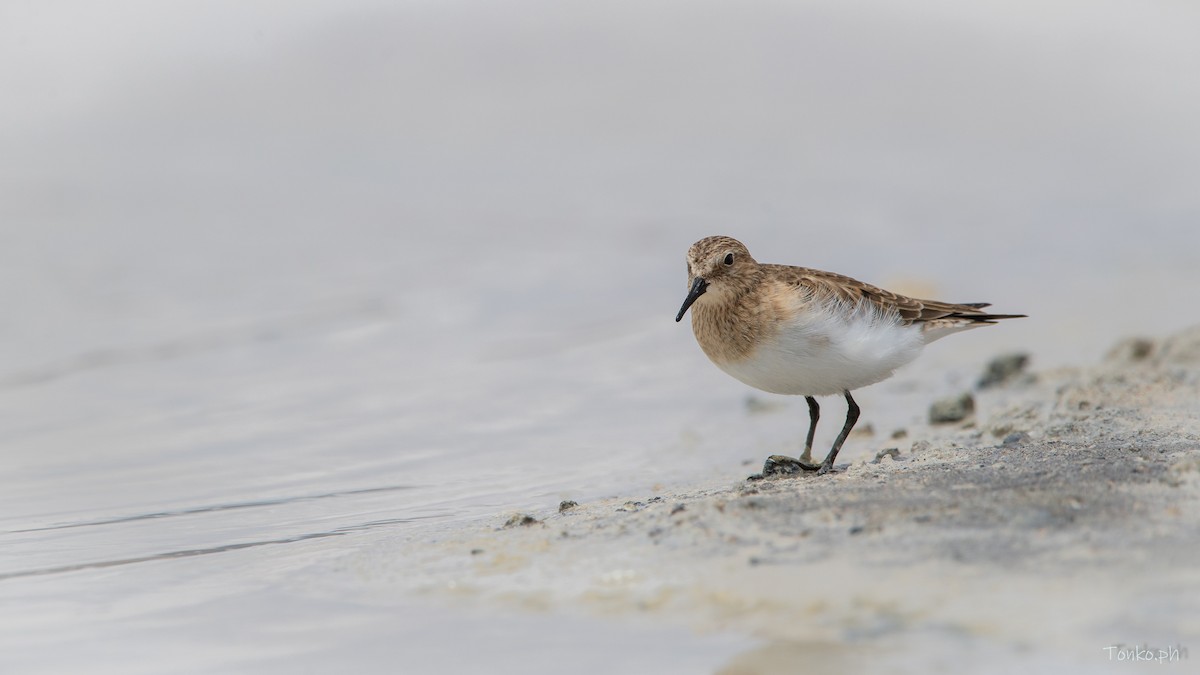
(800, 331)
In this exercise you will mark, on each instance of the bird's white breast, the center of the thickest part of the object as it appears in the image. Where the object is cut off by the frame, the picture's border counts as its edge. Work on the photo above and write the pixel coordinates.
(825, 350)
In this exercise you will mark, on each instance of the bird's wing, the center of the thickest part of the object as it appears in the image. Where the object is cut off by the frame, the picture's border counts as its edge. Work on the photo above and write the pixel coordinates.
(831, 287)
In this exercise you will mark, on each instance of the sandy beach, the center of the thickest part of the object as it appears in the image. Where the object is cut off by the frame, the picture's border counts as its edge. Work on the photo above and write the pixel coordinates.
(316, 314)
(1061, 519)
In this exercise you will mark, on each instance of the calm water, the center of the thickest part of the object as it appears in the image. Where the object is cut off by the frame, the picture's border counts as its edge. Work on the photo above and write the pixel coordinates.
(281, 280)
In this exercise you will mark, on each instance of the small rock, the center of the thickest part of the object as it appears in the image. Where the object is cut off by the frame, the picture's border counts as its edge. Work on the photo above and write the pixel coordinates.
(899, 433)
(952, 409)
(918, 447)
(678, 508)
(476, 551)
(894, 453)
(567, 505)
(521, 520)
(1130, 350)
(630, 506)
(1003, 368)
(1001, 429)
(1015, 438)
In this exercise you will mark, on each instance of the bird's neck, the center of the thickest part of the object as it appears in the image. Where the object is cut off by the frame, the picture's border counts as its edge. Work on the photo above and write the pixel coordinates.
(726, 325)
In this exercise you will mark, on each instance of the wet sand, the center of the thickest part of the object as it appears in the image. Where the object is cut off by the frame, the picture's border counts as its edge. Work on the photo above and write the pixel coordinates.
(1057, 521)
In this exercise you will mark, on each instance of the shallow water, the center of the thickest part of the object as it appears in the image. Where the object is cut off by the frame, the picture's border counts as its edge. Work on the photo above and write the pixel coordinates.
(281, 280)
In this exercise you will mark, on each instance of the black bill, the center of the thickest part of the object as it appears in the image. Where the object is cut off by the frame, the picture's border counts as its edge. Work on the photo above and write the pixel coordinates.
(699, 285)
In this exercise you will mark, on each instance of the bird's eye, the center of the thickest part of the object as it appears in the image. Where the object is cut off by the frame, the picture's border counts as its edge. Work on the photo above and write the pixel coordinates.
(728, 260)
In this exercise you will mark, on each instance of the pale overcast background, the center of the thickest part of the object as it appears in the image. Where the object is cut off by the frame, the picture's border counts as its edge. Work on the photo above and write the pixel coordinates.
(310, 274)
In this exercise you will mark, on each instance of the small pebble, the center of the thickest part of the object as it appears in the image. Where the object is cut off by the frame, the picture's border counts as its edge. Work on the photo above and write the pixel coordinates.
(567, 505)
(1015, 438)
(952, 409)
(894, 453)
(1003, 368)
(521, 520)
(1130, 350)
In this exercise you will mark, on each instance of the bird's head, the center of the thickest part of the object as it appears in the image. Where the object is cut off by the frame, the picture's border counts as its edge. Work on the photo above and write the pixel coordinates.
(715, 265)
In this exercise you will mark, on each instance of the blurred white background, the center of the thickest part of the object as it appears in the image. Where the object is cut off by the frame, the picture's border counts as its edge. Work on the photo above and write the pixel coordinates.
(287, 252)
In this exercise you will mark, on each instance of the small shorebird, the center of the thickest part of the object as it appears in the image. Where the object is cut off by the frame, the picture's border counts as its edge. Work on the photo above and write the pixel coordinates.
(800, 331)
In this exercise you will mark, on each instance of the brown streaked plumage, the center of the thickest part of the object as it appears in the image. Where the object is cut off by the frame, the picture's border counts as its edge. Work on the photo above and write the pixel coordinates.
(795, 330)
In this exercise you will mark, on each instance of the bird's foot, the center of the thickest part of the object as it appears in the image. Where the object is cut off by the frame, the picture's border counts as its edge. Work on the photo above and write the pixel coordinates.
(782, 465)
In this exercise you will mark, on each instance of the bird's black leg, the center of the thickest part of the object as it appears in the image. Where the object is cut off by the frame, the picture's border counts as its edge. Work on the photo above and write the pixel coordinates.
(784, 465)
(814, 414)
(851, 418)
